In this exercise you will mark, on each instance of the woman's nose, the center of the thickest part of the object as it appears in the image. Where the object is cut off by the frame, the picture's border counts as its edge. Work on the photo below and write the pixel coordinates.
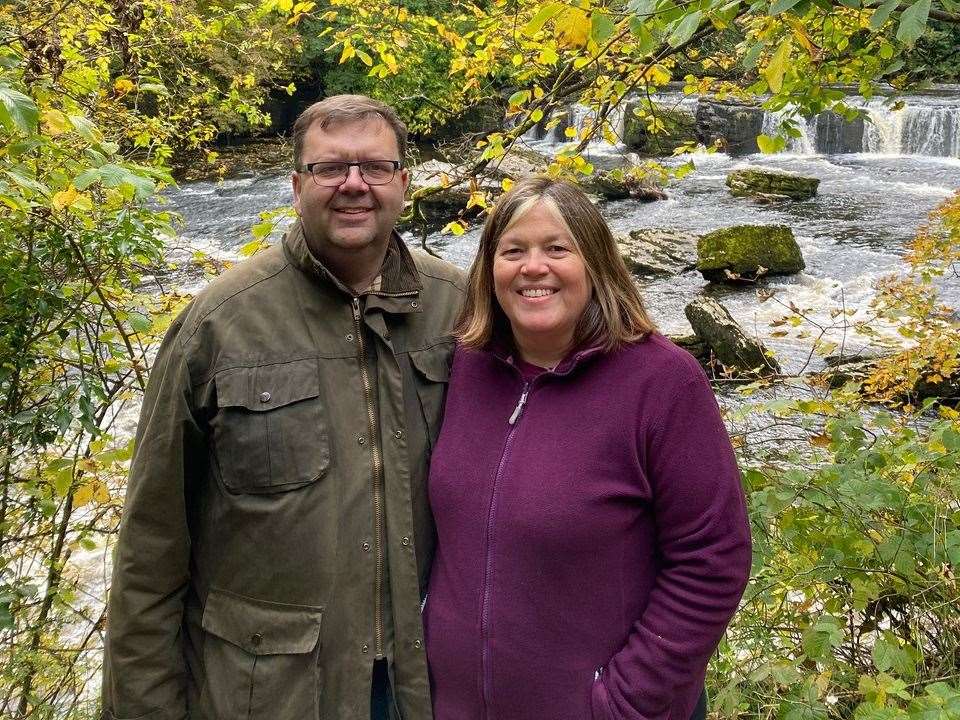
(534, 264)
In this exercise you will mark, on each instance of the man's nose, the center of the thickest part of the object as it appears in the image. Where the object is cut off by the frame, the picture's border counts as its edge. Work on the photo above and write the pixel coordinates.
(354, 181)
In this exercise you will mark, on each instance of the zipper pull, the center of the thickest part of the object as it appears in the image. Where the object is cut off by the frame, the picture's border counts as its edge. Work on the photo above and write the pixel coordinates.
(519, 408)
(356, 309)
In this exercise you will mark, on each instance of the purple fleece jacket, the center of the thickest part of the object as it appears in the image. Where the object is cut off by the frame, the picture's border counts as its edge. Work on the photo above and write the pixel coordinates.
(590, 554)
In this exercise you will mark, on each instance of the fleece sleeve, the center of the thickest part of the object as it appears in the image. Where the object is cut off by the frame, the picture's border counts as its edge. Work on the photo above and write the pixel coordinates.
(704, 552)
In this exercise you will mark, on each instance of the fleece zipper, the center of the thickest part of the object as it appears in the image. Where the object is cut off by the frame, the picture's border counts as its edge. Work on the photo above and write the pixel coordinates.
(485, 669)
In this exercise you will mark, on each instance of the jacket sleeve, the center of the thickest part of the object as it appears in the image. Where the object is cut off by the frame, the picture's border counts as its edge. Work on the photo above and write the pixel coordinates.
(704, 550)
(144, 668)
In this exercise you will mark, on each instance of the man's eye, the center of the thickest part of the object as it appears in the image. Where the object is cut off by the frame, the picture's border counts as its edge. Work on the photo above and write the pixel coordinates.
(332, 170)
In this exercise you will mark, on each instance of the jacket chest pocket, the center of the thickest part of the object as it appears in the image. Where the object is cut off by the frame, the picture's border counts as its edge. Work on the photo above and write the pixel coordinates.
(431, 370)
(261, 659)
(269, 432)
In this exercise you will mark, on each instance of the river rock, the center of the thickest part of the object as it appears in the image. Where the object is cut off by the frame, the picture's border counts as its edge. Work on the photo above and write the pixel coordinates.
(738, 253)
(659, 251)
(768, 185)
(618, 185)
(859, 368)
(714, 326)
(732, 123)
(679, 127)
(447, 204)
(519, 163)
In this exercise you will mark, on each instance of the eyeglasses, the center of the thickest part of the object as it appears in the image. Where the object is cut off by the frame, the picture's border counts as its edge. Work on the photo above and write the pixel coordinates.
(332, 174)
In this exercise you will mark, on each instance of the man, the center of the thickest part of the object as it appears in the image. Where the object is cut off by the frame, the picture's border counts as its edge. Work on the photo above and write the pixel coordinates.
(276, 537)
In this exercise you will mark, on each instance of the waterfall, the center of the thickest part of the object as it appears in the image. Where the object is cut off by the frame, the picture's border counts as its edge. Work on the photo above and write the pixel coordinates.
(923, 124)
(916, 129)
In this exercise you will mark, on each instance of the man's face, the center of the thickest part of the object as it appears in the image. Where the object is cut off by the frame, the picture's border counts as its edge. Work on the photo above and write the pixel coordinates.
(353, 216)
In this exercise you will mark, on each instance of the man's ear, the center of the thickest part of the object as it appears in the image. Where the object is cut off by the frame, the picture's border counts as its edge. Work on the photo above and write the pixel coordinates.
(295, 179)
(405, 179)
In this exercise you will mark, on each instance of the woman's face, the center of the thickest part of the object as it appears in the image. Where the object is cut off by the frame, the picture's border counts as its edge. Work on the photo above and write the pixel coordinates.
(540, 281)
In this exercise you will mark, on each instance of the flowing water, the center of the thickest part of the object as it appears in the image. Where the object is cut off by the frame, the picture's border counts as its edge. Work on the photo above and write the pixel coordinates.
(851, 234)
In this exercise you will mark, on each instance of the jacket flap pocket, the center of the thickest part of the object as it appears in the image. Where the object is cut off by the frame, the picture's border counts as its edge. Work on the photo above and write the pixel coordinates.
(433, 363)
(261, 627)
(268, 387)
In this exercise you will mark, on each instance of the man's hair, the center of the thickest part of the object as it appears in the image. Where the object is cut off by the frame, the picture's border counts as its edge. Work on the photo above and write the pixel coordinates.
(346, 108)
(614, 314)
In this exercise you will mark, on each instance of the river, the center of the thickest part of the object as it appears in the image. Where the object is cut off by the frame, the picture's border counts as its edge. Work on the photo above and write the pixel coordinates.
(852, 233)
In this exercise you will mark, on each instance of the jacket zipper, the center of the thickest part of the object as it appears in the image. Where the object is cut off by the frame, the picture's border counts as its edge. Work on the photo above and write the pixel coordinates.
(488, 565)
(377, 483)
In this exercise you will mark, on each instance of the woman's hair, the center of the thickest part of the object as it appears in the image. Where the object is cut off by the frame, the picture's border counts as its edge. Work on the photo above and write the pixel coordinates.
(615, 313)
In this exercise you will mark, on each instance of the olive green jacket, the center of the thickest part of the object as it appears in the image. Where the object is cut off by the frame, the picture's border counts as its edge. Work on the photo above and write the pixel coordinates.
(276, 535)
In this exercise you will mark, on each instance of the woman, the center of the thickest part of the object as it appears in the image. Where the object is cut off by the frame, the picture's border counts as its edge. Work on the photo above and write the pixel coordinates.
(592, 537)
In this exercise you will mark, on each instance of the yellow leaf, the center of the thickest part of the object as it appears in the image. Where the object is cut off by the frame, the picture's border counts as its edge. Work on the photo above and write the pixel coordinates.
(506, 184)
(348, 52)
(83, 495)
(122, 86)
(570, 132)
(454, 227)
(657, 75)
(55, 122)
(101, 494)
(65, 198)
(477, 199)
(820, 441)
(573, 26)
(82, 203)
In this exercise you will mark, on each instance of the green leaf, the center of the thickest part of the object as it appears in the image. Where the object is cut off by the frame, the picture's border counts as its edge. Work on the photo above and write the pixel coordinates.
(913, 21)
(642, 36)
(882, 14)
(537, 115)
(778, 66)
(139, 322)
(17, 111)
(87, 130)
(87, 178)
(519, 97)
(768, 144)
(601, 27)
(540, 19)
(365, 58)
(780, 6)
(28, 183)
(642, 8)
(685, 29)
(753, 54)
(820, 639)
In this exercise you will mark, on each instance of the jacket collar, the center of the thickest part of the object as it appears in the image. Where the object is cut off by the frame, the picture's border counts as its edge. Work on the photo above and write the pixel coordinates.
(505, 352)
(399, 277)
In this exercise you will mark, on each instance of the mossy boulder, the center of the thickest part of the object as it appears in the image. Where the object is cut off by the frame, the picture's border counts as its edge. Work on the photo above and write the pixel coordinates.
(658, 251)
(732, 347)
(745, 252)
(620, 185)
(671, 128)
(771, 185)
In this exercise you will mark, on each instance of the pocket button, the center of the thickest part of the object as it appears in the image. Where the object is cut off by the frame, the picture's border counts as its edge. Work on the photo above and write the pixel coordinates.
(265, 397)
(256, 639)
